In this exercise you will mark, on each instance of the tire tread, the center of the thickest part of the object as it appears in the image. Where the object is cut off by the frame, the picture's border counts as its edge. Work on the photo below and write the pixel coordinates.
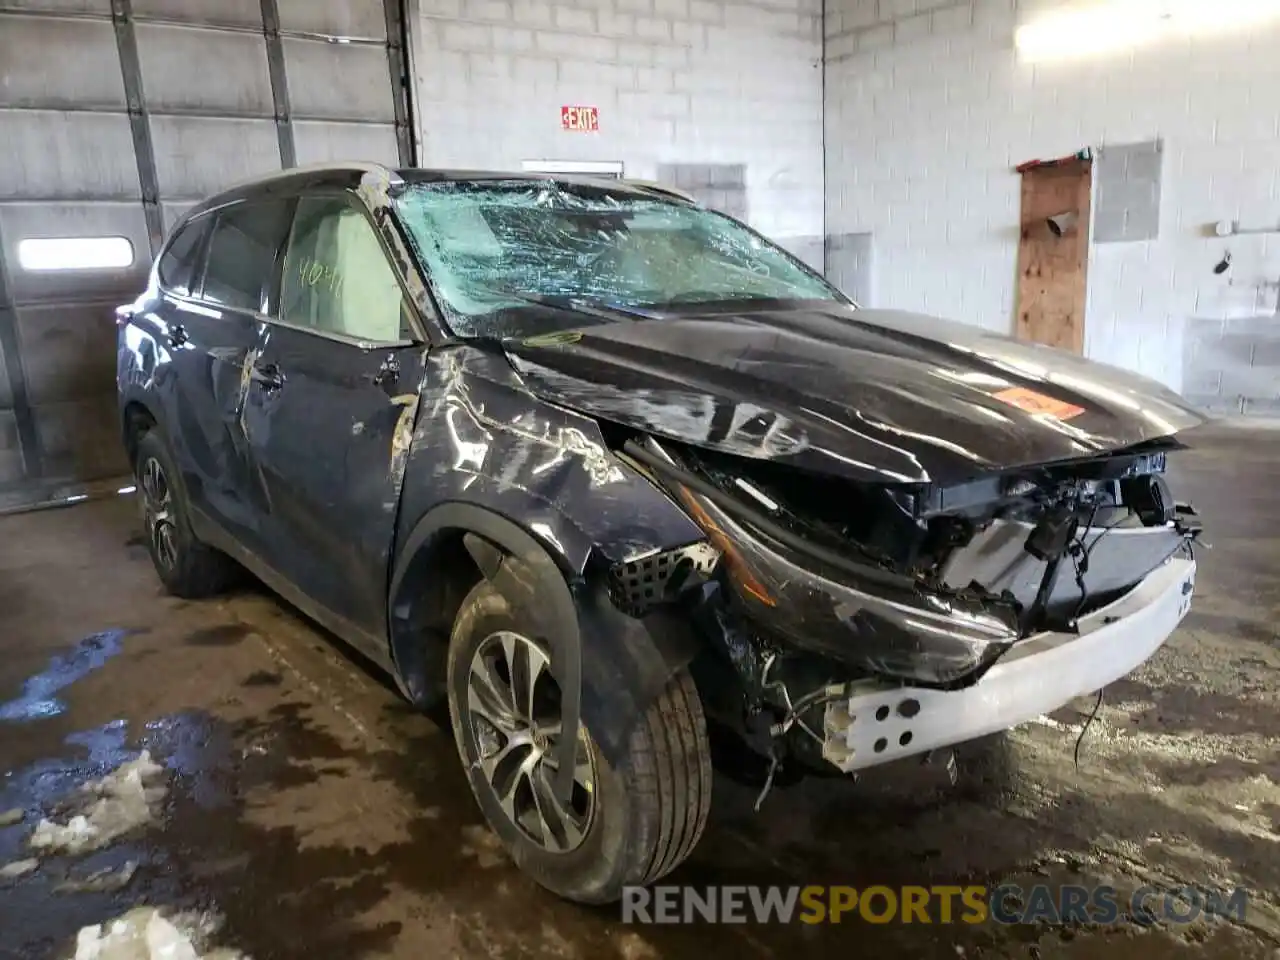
(662, 784)
(674, 737)
(201, 571)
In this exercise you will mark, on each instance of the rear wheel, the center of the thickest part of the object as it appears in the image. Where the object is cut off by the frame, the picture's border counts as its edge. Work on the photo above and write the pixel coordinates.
(186, 566)
(623, 825)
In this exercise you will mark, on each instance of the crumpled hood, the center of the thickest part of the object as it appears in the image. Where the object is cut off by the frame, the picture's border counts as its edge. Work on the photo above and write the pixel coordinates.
(869, 394)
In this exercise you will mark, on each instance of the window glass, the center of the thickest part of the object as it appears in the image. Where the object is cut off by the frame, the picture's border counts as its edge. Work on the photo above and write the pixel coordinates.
(492, 246)
(179, 257)
(242, 252)
(337, 279)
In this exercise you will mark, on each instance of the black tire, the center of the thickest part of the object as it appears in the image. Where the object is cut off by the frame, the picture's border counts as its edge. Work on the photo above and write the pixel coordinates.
(649, 812)
(195, 569)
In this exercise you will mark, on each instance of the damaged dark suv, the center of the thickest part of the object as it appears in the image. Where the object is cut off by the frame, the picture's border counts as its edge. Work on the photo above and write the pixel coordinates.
(602, 468)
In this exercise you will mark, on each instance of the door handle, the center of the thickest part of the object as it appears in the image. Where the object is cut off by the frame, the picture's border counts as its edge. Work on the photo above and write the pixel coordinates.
(178, 335)
(267, 376)
(387, 375)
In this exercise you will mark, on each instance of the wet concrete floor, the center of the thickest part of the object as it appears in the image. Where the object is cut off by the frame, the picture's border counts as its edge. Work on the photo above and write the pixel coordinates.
(319, 817)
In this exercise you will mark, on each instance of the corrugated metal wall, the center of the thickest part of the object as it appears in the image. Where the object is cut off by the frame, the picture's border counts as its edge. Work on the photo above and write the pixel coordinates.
(116, 116)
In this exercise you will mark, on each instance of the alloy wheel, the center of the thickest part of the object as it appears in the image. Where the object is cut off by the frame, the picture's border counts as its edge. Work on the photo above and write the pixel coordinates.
(513, 717)
(157, 512)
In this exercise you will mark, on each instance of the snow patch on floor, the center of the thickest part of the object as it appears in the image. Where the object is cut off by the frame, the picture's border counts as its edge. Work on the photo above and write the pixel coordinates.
(122, 801)
(1113, 734)
(18, 868)
(145, 933)
(108, 880)
(1048, 721)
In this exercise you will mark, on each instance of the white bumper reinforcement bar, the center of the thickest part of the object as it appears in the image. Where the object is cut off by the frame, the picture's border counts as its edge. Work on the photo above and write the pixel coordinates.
(1042, 673)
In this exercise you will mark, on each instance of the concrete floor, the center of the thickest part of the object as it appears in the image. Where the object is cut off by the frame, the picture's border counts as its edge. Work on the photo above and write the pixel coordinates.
(320, 817)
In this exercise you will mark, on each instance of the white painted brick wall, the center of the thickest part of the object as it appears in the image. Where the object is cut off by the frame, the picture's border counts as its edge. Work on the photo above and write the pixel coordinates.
(928, 109)
(676, 81)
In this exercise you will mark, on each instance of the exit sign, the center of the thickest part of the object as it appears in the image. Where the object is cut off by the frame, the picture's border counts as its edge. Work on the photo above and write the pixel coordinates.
(580, 119)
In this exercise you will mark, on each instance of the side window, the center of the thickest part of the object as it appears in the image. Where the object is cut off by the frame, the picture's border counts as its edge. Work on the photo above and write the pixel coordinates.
(179, 257)
(242, 252)
(336, 276)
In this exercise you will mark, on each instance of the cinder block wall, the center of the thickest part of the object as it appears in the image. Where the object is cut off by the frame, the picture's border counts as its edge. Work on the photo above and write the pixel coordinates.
(681, 85)
(928, 109)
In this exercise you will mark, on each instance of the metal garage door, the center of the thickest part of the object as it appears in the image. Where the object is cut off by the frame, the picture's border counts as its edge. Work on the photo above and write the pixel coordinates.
(115, 117)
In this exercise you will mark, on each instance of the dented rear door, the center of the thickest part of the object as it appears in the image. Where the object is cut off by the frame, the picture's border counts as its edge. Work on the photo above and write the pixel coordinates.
(332, 399)
(213, 320)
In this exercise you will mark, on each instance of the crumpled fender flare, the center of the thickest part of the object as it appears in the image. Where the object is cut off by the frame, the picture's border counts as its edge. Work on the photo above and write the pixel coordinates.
(610, 667)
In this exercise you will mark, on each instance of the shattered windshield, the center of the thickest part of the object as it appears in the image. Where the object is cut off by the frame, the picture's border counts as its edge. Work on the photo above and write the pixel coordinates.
(497, 250)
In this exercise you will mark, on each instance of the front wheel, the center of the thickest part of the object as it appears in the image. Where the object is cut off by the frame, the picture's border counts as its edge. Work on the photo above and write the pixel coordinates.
(620, 826)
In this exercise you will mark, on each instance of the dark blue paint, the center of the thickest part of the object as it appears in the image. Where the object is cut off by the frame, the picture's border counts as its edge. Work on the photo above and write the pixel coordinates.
(305, 465)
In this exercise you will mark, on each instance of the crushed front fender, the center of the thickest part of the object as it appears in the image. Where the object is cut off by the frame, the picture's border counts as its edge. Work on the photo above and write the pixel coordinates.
(873, 620)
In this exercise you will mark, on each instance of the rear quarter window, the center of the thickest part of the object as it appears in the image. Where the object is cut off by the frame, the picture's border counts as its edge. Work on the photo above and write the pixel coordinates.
(178, 262)
(246, 240)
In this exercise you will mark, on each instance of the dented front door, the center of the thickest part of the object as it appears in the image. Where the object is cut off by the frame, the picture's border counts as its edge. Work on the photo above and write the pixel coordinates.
(328, 425)
(333, 393)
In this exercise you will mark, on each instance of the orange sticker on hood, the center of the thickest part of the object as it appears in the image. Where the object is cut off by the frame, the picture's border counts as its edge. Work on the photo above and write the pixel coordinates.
(1033, 402)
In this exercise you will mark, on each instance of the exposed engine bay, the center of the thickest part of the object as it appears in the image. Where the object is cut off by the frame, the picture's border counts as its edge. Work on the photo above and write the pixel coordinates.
(812, 585)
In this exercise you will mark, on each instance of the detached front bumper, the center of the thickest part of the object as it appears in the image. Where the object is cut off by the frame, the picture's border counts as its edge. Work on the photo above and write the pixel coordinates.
(1039, 674)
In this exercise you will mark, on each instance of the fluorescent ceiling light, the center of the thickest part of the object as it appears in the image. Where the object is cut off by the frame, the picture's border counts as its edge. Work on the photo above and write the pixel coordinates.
(1109, 25)
(75, 253)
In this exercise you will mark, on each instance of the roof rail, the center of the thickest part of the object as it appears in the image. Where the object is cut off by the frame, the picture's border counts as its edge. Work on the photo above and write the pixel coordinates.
(328, 166)
(657, 187)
